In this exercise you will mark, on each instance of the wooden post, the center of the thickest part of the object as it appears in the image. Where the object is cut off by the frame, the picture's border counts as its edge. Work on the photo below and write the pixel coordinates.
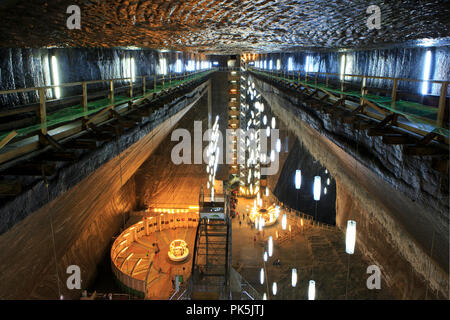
(43, 110)
(131, 87)
(111, 91)
(441, 111)
(394, 93)
(143, 85)
(84, 101)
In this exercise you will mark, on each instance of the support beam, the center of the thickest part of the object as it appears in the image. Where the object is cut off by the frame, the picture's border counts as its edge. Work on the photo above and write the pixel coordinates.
(30, 169)
(63, 156)
(48, 140)
(418, 150)
(84, 144)
(381, 131)
(398, 139)
(10, 188)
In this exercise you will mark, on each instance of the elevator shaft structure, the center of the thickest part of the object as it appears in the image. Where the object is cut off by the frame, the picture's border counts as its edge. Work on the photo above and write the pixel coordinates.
(211, 263)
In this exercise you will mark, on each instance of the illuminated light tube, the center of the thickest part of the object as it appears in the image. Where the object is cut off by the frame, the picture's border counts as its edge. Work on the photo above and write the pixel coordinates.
(350, 237)
(283, 222)
(328, 181)
(273, 123)
(317, 188)
(298, 179)
(274, 288)
(268, 131)
(265, 120)
(267, 191)
(256, 223)
(426, 72)
(265, 256)
(294, 277)
(312, 290)
(261, 276)
(55, 75)
(278, 145)
(265, 296)
(270, 246)
(272, 155)
(325, 190)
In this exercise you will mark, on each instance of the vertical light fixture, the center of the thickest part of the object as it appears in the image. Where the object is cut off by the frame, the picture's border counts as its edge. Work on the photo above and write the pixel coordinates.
(350, 237)
(133, 70)
(265, 296)
(270, 246)
(342, 68)
(294, 277)
(261, 276)
(55, 76)
(298, 179)
(426, 72)
(278, 145)
(312, 290)
(317, 188)
(265, 256)
(284, 222)
(273, 122)
(274, 288)
(267, 191)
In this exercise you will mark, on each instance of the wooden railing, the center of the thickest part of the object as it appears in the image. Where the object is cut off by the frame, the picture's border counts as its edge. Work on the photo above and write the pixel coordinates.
(309, 79)
(160, 82)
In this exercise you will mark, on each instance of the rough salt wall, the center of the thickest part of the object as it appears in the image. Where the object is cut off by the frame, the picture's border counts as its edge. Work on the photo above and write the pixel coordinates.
(393, 62)
(374, 241)
(409, 219)
(220, 26)
(25, 68)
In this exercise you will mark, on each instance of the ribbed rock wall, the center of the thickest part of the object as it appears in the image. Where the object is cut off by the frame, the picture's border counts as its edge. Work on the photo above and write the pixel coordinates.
(393, 62)
(25, 68)
(406, 199)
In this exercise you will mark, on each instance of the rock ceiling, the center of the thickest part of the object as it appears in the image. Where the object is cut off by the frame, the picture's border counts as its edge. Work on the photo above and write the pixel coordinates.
(220, 26)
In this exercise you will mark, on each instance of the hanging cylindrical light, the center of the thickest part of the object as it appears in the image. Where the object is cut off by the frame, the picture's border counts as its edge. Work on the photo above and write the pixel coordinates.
(274, 288)
(278, 145)
(325, 190)
(272, 156)
(350, 237)
(261, 276)
(270, 246)
(265, 120)
(267, 191)
(294, 277)
(284, 222)
(268, 131)
(328, 181)
(317, 188)
(265, 256)
(273, 123)
(298, 179)
(264, 296)
(312, 290)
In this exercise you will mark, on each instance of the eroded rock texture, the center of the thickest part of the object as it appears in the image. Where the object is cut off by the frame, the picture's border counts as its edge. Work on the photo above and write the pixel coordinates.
(220, 26)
